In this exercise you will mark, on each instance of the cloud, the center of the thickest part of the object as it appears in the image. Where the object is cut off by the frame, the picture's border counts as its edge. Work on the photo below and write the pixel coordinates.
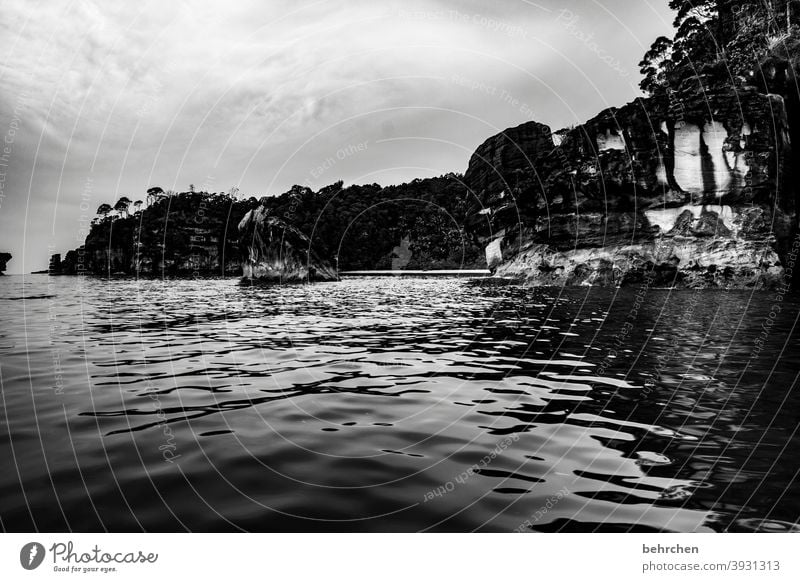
(127, 95)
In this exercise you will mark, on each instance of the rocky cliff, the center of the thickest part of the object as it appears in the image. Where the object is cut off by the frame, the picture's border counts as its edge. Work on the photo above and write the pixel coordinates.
(417, 225)
(693, 185)
(691, 192)
(278, 252)
(177, 234)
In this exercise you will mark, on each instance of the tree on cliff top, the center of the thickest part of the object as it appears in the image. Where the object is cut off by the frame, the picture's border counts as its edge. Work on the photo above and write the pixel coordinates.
(697, 9)
(154, 194)
(656, 65)
(669, 63)
(104, 209)
(718, 37)
(122, 205)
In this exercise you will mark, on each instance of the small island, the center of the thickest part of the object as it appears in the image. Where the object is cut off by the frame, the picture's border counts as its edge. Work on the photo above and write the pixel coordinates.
(4, 258)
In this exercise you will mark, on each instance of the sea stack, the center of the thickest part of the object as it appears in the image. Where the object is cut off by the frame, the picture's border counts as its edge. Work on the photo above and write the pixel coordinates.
(276, 252)
(4, 258)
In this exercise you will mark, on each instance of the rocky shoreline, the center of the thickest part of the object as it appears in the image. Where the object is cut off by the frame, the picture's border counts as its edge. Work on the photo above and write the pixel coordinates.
(694, 185)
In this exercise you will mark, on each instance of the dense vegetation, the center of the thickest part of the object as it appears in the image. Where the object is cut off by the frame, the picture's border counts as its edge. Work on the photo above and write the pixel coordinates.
(363, 226)
(434, 222)
(725, 40)
(171, 233)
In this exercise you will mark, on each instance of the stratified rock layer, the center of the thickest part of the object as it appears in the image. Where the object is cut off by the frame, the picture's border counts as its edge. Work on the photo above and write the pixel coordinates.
(693, 193)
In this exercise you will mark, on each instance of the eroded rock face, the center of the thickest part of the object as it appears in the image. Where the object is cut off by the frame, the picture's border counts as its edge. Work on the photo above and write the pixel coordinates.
(502, 166)
(692, 193)
(278, 252)
(4, 258)
(698, 251)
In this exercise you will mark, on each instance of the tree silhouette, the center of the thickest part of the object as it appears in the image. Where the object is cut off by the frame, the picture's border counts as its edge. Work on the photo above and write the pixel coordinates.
(697, 47)
(154, 194)
(656, 65)
(699, 9)
(122, 205)
(104, 209)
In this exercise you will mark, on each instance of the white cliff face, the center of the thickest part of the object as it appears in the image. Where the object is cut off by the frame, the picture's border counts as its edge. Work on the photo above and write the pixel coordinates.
(714, 136)
(688, 164)
(726, 184)
(661, 171)
(610, 141)
(494, 253)
(722, 171)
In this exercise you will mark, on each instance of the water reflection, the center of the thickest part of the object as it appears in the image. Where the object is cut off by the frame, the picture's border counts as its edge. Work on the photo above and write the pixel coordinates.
(383, 404)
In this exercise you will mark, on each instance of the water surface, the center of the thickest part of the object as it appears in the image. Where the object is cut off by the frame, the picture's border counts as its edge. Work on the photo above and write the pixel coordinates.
(395, 404)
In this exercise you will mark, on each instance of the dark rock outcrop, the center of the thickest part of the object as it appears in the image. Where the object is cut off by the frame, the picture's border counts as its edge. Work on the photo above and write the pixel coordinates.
(278, 252)
(4, 258)
(698, 191)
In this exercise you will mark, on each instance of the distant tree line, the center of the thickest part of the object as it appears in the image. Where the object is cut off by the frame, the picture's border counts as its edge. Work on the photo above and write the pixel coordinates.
(356, 227)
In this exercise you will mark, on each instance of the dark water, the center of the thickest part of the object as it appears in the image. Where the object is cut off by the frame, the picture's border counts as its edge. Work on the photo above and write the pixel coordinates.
(389, 404)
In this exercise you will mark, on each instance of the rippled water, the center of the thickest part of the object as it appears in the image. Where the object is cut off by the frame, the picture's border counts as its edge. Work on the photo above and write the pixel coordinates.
(394, 404)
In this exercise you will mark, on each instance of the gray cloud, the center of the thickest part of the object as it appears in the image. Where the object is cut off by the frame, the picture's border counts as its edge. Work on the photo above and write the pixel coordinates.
(121, 96)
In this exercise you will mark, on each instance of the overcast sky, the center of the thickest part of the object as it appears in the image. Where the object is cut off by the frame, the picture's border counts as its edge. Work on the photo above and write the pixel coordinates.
(103, 99)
